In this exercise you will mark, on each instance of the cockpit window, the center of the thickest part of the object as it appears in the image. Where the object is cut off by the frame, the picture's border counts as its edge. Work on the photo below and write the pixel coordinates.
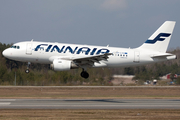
(15, 47)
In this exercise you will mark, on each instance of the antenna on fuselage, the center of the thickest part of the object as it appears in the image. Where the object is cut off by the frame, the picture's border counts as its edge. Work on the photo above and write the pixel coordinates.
(32, 40)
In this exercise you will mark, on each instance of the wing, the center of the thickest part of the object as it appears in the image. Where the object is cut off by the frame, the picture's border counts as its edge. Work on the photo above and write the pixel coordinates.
(89, 60)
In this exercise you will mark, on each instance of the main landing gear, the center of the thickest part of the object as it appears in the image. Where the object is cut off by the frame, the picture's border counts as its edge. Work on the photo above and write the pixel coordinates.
(27, 70)
(84, 74)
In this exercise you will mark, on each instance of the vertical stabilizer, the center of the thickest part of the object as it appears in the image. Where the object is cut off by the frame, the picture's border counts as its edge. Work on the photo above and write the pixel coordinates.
(159, 40)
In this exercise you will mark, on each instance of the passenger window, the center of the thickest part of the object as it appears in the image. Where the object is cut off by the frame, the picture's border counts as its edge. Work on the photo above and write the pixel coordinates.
(17, 47)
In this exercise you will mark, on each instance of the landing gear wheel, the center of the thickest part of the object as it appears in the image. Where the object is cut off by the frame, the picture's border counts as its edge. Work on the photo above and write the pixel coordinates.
(27, 71)
(84, 74)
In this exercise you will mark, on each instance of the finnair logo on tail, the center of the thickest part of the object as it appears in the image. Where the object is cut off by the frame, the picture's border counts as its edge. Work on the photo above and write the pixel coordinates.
(160, 37)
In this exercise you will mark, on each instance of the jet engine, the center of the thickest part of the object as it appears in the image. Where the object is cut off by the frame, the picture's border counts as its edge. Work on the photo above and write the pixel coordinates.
(62, 65)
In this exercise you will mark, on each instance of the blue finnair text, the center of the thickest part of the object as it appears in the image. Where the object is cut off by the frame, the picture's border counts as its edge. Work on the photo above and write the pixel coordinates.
(76, 50)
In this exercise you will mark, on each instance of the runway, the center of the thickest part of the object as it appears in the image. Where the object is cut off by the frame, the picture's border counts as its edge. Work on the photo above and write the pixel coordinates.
(89, 104)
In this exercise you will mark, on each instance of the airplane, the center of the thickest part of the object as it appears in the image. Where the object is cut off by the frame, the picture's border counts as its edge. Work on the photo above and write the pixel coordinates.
(62, 56)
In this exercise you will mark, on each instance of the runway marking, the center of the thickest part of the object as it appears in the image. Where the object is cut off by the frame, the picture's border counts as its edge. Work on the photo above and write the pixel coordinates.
(9, 100)
(4, 103)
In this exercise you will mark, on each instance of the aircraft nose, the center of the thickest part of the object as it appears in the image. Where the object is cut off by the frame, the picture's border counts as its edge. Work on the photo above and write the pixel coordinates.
(5, 53)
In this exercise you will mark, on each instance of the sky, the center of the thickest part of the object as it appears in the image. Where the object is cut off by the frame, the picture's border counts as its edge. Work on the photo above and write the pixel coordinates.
(117, 23)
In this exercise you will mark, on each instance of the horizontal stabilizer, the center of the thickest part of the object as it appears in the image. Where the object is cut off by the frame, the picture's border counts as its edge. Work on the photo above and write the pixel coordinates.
(162, 55)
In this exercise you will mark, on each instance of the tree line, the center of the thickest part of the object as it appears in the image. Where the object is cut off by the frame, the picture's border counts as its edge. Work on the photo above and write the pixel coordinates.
(13, 72)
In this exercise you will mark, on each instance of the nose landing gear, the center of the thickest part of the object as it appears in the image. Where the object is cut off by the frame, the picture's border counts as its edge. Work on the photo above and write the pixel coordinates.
(27, 70)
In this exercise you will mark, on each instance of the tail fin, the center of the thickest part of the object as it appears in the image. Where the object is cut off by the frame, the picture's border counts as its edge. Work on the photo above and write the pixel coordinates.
(159, 40)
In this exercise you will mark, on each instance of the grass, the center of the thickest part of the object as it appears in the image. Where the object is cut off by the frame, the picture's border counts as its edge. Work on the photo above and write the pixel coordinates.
(90, 114)
(90, 93)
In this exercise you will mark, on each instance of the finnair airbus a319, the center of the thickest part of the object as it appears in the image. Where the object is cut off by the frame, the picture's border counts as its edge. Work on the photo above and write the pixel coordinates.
(63, 56)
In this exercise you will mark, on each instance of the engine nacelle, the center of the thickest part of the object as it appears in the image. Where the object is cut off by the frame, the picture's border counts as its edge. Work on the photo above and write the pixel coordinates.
(62, 65)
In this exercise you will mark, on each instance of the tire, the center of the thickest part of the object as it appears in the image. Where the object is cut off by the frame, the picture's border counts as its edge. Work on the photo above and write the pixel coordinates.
(84, 74)
(27, 71)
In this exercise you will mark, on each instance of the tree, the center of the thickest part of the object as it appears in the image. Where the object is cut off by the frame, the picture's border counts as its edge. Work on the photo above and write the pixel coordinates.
(129, 71)
(178, 81)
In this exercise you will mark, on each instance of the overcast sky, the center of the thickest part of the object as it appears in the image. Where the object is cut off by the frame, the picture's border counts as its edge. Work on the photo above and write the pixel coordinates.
(119, 23)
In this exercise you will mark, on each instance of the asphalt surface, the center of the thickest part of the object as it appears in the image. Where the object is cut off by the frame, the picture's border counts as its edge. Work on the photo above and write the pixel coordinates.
(89, 103)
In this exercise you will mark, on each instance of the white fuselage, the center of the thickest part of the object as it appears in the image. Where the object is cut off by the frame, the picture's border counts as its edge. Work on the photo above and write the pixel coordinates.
(46, 52)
